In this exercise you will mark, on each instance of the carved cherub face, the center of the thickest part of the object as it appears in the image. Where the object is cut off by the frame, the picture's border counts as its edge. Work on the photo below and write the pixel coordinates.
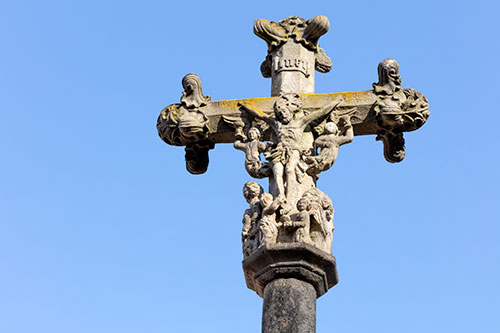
(266, 199)
(303, 204)
(285, 107)
(253, 134)
(252, 190)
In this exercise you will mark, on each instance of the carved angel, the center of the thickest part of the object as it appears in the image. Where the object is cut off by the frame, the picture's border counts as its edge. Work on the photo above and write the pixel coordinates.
(329, 143)
(253, 148)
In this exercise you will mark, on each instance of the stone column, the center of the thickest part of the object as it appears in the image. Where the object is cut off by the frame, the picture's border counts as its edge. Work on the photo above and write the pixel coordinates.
(289, 306)
(290, 276)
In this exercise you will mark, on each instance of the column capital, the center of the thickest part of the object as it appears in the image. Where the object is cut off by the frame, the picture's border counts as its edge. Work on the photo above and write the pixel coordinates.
(290, 260)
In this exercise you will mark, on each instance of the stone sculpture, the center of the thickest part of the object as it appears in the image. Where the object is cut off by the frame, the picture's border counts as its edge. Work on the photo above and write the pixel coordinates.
(268, 227)
(249, 235)
(329, 143)
(396, 110)
(287, 145)
(289, 155)
(253, 148)
(298, 135)
(290, 138)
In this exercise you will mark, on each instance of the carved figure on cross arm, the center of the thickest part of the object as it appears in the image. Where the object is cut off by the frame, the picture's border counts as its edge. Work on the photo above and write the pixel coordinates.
(193, 122)
(329, 143)
(253, 148)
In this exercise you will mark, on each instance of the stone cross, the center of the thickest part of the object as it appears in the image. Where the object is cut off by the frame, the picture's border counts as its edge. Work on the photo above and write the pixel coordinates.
(290, 138)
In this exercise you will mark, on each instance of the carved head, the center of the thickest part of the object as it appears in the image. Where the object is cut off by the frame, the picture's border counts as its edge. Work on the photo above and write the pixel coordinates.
(266, 199)
(389, 80)
(191, 82)
(304, 204)
(331, 128)
(192, 96)
(285, 107)
(253, 133)
(252, 190)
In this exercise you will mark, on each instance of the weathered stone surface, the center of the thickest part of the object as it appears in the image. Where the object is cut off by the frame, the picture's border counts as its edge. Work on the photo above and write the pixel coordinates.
(264, 223)
(292, 70)
(290, 260)
(289, 306)
(290, 139)
(222, 121)
(298, 133)
(222, 115)
(293, 53)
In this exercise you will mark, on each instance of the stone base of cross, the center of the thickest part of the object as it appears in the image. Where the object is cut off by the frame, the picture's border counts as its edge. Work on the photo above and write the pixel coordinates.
(290, 138)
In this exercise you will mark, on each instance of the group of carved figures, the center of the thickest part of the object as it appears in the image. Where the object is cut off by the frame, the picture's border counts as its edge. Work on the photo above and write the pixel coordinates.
(301, 146)
(297, 143)
(265, 223)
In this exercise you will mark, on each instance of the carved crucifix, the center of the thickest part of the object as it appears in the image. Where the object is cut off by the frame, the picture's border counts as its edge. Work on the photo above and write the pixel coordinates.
(290, 138)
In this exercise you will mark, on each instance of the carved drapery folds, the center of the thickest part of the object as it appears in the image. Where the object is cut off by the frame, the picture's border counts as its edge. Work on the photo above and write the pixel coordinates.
(306, 33)
(397, 110)
(186, 124)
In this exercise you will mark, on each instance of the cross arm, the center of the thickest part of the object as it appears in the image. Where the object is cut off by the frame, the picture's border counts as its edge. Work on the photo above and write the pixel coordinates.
(254, 112)
(198, 123)
(321, 113)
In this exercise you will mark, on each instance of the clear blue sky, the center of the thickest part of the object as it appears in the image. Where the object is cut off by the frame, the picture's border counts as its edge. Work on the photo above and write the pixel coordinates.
(103, 230)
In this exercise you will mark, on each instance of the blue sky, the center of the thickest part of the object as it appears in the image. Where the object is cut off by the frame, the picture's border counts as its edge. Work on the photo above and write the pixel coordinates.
(103, 230)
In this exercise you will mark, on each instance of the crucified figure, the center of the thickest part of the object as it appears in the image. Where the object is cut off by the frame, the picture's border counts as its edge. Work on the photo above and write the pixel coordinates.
(287, 130)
